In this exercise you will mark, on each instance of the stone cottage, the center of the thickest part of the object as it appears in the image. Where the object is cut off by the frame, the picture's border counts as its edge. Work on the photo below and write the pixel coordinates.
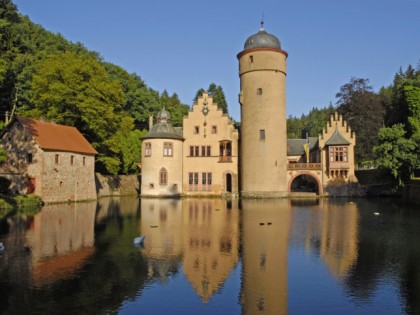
(50, 160)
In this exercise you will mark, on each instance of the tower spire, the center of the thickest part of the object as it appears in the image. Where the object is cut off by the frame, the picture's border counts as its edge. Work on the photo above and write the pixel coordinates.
(262, 22)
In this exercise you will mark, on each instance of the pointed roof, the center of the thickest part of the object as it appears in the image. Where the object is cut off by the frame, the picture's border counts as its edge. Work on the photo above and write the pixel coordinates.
(55, 137)
(337, 139)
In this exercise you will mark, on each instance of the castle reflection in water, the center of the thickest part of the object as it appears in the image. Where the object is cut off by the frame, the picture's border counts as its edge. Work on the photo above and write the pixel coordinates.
(207, 237)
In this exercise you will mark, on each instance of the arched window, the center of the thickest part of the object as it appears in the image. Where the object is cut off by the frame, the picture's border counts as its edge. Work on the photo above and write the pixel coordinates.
(163, 176)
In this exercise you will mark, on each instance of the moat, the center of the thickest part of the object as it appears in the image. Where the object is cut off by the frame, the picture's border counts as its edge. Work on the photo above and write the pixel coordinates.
(212, 256)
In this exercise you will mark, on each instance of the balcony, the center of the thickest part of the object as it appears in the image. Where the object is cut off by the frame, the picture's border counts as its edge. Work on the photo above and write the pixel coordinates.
(304, 166)
(225, 159)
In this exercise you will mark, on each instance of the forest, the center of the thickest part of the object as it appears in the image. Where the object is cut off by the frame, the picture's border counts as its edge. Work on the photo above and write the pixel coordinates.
(44, 75)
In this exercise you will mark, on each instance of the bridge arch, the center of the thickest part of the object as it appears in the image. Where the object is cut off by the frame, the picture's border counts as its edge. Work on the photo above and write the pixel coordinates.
(305, 182)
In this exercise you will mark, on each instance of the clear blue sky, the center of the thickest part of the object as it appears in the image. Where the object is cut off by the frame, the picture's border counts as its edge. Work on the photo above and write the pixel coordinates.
(184, 45)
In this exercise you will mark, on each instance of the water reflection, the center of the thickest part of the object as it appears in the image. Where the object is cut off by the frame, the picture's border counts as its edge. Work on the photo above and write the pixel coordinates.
(303, 257)
(203, 234)
(53, 245)
(265, 231)
(331, 231)
(210, 242)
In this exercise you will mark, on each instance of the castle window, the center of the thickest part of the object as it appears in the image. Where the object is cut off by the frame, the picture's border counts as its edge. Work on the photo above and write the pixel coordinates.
(84, 160)
(214, 129)
(251, 59)
(208, 150)
(194, 150)
(29, 157)
(259, 91)
(262, 135)
(193, 179)
(196, 130)
(206, 179)
(338, 154)
(57, 159)
(225, 148)
(72, 159)
(167, 149)
(147, 149)
(163, 177)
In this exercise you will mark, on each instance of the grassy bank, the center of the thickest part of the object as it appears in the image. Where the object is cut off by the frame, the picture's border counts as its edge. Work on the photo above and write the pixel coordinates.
(9, 203)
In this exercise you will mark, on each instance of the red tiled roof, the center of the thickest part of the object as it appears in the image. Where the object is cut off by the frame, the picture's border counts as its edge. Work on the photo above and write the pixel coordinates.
(52, 136)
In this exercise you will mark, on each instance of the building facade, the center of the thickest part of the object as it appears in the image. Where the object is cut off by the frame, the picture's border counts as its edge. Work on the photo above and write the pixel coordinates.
(199, 159)
(210, 158)
(213, 158)
(50, 160)
(162, 159)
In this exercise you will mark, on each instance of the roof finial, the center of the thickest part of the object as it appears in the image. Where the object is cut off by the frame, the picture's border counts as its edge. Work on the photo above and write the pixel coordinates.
(262, 23)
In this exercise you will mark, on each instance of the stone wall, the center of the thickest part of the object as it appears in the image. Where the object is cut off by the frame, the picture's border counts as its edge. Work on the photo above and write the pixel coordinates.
(117, 185)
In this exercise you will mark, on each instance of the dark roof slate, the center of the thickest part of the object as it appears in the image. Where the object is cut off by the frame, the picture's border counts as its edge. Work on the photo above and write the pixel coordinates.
(337, 139)
(295, 146)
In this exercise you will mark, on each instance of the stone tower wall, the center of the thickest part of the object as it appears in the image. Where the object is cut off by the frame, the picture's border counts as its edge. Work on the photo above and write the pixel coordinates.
(263, 110)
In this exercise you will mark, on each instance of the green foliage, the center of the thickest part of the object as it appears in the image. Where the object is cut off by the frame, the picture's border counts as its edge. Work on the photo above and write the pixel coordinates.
(3, 155)
(46, 75)
(311, 124)
(75, 89)
(361, 107)
(396, 153)
(412, 96)
(130, 150)
(174, 106)
(140, 101)
(216, 92)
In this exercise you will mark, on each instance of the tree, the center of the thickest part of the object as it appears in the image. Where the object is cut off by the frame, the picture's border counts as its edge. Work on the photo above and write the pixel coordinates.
(364, 112)
(141, 101)
(75, 89)
(394, 98)
(311, 124)
(396, 153)
(130, 145)
(174, 106)
(216, 92)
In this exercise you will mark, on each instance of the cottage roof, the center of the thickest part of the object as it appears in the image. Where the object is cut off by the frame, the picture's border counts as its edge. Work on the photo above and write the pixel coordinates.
(55, 137)
(295, 146)
(337, 139)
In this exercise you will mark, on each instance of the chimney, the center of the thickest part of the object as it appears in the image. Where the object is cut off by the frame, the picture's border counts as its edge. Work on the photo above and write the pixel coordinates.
(150, 122)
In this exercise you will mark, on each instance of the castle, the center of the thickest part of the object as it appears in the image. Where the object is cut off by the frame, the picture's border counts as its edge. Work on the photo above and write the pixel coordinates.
(209, 157)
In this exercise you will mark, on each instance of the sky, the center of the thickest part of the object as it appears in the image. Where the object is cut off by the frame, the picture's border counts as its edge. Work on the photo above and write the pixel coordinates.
(184, 45)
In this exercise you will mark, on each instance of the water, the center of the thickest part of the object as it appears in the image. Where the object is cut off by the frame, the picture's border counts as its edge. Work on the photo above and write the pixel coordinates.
(337, 256)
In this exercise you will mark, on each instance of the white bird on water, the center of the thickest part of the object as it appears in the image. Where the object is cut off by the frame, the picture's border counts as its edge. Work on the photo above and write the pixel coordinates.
(376, 213)
(139, 240)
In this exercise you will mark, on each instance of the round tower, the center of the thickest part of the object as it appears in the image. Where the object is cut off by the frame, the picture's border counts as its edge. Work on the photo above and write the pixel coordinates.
(161, 158)
(262, 73)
